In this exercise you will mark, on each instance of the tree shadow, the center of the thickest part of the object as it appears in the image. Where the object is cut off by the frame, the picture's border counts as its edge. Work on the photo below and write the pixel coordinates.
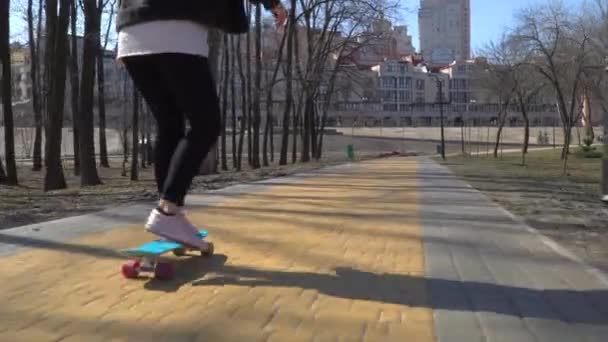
(572, 306)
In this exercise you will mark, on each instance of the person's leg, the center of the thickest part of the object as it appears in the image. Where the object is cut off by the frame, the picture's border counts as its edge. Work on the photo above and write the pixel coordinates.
(170, 121)
(166, 220)
(193, 87)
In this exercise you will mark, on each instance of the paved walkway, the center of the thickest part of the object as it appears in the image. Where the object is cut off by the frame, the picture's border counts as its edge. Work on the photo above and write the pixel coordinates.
(388, 250)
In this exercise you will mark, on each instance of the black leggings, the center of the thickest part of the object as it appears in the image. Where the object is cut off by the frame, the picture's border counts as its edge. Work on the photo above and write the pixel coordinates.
(176, 87)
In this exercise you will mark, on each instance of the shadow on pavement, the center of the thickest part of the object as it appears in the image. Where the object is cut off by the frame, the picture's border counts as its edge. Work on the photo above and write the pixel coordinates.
(587, 307)
(187, 269)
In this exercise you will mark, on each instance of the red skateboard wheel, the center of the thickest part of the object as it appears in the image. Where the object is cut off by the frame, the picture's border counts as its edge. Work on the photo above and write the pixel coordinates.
(130, 269)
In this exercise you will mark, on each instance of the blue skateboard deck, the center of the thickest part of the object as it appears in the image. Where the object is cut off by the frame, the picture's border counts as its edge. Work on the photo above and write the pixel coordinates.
(158, 247)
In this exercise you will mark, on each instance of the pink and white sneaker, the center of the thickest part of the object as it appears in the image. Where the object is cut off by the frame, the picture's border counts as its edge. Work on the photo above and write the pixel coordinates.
(182, 215)
(174, 228)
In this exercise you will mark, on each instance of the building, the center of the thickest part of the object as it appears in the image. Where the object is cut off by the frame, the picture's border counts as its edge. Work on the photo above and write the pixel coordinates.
(382, 42)
(407, 94)
(445, 30)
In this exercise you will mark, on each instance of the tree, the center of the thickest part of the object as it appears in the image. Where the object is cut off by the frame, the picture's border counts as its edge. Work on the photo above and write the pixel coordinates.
(209, 165)
(257, 116)
(7, 103)
(35, 78)
(135, 135)
(103, 149)
(2, 173)
(57, 21)
(291, 29)
(224, 97)
(74, 84)
(560, 47)
(498, 77)
(88, 168)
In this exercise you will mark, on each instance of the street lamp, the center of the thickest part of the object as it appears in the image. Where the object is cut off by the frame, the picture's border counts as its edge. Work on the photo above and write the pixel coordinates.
(440, 88)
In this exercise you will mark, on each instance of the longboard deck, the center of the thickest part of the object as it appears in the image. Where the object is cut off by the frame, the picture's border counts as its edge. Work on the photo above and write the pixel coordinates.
(158, 247)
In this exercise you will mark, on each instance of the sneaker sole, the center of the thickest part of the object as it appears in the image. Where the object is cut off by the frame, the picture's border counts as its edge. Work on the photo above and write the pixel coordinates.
(172, 239)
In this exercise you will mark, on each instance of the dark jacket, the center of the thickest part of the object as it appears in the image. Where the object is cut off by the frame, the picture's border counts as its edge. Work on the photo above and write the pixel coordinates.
(226, 15)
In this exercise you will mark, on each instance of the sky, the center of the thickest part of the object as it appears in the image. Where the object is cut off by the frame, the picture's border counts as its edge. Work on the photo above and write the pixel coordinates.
(488, 18)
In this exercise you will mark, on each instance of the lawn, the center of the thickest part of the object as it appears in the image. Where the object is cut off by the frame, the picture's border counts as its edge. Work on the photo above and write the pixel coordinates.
(544, 165)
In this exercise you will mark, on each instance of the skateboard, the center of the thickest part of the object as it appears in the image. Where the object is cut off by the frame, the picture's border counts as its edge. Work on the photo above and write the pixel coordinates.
(146, 257)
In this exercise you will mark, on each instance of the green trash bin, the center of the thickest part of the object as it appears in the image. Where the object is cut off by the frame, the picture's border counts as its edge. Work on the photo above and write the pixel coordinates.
(350, 151)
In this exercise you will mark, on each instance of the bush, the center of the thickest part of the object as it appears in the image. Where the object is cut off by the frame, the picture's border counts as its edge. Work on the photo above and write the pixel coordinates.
(588, 152)
(588, 148)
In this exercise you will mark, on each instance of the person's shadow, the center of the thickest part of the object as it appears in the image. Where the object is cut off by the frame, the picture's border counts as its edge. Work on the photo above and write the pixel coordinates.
(589, 307)
(186, 269)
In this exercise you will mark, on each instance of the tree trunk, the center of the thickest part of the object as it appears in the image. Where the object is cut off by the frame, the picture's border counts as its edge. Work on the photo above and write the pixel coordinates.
(2, 173)
(257, 115)
(7, 103)
(249, 91)
(74, 83)
(37, 162)
(501, 124)
(209, 164)
(233, 53)
(244, 100)
(55, 60)
(135, 135)
(142, 131)
(88, 167)
(266, 132)
(226, 58)
(101, 104)
(125, 128)
(296, 126)
(288, 84)
(305, 157)
(149, 149)
(101, 97)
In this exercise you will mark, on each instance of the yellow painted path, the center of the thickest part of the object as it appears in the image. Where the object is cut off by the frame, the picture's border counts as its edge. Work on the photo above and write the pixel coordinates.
(336, 256)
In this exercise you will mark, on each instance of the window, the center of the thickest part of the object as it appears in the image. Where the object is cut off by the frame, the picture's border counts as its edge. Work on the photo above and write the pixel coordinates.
(408, 82)
(389, 67)
(402, 68)
(401, 82)
(420, 84)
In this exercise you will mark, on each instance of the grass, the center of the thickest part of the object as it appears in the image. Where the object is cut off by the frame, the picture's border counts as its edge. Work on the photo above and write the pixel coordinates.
(545, 166)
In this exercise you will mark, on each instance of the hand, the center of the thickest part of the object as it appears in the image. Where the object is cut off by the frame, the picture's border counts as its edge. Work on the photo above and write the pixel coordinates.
(280, 15)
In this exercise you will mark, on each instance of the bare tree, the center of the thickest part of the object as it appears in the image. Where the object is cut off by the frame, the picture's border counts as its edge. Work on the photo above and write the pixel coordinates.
(57, 22)
(34, 76)
(233, 54)
(224, 97)
(101, 98)
(257, 90)
(560, 46)
(498, 76)
(291, 29)
(7, 102)
(88, 169)
(74, 84)
(135, 136)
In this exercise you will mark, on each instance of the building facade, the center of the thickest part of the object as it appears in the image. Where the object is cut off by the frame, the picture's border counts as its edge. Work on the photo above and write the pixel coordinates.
(445, 30)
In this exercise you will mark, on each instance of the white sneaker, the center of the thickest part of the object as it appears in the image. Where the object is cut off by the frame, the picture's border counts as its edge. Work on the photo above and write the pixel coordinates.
(182, 215)
(173, 228)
